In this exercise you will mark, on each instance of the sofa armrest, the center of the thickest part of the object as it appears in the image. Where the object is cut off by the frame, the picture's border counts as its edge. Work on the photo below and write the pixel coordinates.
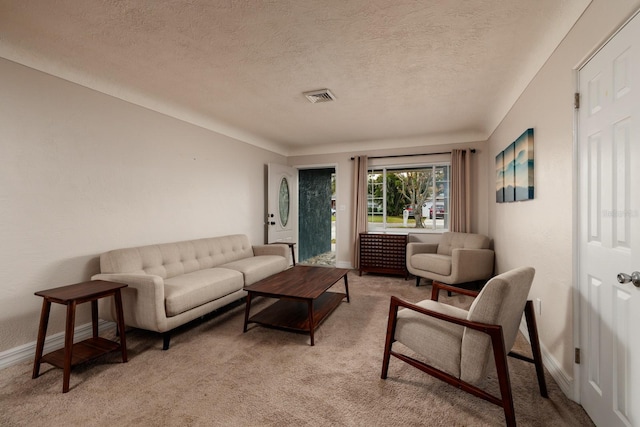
(421, 248)
(272, 249)
(142, 300)
(468, 265)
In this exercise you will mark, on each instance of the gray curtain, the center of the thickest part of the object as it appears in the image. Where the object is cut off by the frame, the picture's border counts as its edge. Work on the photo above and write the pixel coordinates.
(359, 205)
(460, 191)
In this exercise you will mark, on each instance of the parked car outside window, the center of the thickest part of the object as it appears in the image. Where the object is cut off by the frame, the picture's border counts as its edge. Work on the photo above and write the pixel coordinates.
(425, 206)
(439, 211)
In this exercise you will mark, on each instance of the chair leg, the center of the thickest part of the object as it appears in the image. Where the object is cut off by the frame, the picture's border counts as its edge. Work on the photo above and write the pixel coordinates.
(417, 281)
(391, 331)
(502, 369)
(435, 291)
(530, 316)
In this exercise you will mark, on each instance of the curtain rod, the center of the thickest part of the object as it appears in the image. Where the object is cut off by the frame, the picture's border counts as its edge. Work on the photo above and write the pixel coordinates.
(473, 150)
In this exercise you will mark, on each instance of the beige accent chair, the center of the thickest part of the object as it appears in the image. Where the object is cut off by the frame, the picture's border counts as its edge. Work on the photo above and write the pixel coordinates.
(456, 259)
(456, 345)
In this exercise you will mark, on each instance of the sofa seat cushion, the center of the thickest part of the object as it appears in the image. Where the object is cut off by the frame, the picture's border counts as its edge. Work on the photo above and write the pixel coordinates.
(187, 291)
(439, 264)
(258, 267)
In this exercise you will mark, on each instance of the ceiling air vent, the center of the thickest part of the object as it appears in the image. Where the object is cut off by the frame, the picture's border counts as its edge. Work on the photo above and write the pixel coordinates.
(322, 95)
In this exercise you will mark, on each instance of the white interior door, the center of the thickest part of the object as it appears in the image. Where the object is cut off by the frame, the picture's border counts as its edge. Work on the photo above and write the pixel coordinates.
(609, 161)
(282, 204)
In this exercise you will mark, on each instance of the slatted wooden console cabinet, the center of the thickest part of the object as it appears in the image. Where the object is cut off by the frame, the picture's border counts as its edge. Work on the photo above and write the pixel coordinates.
(383, 253)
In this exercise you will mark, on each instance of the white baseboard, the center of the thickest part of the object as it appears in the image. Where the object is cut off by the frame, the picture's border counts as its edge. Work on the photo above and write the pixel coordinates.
(564, 381)
(343, 264)
(53, 342)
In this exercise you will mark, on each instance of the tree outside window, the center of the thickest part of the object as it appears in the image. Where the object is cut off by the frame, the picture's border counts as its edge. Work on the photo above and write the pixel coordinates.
(409, 199)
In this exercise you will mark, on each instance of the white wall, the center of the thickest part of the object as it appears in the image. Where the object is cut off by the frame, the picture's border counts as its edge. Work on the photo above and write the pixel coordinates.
(540, 232)
(344, 184)
(82, 172)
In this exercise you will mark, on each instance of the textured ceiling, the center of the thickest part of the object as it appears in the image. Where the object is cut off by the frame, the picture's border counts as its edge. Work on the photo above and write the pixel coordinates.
(401, 70)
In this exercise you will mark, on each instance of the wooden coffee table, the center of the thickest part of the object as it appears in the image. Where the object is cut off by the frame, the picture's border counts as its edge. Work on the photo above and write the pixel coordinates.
(303, 301)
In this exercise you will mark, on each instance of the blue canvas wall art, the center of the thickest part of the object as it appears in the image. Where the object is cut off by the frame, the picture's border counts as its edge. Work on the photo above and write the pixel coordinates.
(500, 177)
(509, 173)
(515, 170)
(524, 187)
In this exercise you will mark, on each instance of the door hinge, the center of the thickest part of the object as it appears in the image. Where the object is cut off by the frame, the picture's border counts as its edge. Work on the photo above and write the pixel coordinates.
(577, 356)
(576, 100)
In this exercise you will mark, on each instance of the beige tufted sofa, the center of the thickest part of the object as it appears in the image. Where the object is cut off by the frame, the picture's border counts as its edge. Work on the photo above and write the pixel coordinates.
(171, 284)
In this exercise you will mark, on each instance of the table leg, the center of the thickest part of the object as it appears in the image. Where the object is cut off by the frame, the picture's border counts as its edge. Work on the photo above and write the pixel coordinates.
(346, 287)
(246, 311)
(42, 333)
(94, 317)
(68, 344)
(120, 315)
(312, 326)
(293, 255)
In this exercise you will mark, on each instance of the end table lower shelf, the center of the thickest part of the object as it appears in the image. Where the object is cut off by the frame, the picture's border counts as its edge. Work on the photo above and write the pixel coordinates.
(83, 351)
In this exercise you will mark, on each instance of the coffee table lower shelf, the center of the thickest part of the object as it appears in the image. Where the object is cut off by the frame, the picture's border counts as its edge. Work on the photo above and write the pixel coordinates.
(293, 315)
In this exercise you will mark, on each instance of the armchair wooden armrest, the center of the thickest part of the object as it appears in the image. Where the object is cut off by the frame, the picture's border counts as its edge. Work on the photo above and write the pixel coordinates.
(482, 327)
(436, 286)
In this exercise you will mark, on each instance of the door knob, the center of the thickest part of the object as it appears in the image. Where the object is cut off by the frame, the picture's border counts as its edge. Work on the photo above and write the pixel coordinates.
(634, 278)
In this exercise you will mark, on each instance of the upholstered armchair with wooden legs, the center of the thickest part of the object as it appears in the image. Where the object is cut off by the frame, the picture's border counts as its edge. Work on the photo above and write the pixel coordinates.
(456, 259)
(457, 346)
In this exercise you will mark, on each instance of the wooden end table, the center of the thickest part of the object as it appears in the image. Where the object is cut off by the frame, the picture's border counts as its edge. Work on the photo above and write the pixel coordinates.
(74, 354)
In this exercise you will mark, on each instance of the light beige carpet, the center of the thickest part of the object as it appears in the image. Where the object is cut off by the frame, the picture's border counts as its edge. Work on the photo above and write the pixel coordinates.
(214, 375)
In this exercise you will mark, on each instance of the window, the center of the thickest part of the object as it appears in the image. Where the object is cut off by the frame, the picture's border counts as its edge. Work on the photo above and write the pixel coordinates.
(410, 199)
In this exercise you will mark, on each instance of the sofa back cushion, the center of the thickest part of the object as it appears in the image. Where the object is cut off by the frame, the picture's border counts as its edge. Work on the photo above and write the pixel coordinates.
(453, 240)
(172, 259)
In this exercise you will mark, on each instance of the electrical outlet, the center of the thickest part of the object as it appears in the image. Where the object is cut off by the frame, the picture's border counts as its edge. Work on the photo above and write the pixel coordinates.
(538, 306)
